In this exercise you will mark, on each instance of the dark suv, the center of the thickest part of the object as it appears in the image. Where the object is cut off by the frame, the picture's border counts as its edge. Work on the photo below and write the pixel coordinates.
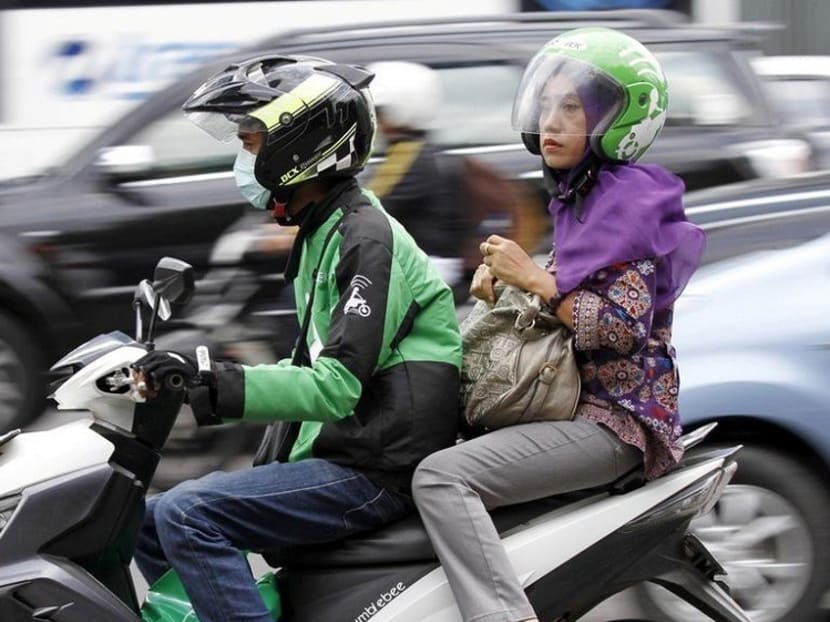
(76, 240)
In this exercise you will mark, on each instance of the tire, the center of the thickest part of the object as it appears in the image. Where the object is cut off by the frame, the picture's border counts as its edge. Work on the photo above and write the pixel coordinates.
(22, 382)
(770, 532)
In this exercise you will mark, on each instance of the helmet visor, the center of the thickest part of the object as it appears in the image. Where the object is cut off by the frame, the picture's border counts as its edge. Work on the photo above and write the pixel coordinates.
(223, 127)
(564, 96)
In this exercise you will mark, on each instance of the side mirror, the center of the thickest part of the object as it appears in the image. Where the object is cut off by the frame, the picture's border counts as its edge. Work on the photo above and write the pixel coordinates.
(126, 159)
(146, 296)
(173, 280)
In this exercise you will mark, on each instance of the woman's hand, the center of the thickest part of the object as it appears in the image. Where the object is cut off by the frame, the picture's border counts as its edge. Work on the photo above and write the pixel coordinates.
(509, 263)
(483, 285)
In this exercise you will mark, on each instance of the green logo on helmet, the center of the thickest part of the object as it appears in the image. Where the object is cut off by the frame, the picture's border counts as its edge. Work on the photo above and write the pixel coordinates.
(567, 43)
(642, 134)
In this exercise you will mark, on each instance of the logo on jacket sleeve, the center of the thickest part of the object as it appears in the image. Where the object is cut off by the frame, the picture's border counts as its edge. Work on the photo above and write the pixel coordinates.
(357, 305)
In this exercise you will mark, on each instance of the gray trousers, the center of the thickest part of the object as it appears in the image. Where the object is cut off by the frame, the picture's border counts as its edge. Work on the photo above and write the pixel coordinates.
(454, 488)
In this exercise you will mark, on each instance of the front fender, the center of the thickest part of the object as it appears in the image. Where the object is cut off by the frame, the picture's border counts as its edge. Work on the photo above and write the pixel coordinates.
(753, 409)
(763, 378)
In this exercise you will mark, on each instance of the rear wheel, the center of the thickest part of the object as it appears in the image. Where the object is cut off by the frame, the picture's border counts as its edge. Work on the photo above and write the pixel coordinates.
(22, 384)
(770, 532)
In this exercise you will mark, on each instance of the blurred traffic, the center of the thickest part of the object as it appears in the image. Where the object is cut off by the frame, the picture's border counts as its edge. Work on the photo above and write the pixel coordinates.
(748, 132)
(799, 87)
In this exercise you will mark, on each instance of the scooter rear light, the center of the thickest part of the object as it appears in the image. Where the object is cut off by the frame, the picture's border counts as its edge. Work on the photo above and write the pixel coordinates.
(717, 490)
(693, 501)
(699, 497)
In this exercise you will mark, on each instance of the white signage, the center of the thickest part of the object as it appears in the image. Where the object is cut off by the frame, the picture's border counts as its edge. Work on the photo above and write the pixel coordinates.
(65, 73)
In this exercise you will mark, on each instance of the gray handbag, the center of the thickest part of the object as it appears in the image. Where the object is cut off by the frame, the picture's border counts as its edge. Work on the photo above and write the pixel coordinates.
(518, 364)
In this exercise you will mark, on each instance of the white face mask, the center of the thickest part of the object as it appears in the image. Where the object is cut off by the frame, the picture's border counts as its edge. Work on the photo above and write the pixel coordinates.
(243, 172)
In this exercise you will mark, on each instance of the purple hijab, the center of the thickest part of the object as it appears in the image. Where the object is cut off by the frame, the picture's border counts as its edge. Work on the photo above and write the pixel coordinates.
(634, 211)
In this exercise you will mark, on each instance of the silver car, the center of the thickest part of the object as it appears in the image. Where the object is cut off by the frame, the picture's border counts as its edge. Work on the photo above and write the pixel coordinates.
(752, 333)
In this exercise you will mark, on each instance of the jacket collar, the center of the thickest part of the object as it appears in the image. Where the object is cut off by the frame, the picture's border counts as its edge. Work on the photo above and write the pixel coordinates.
(312, 217)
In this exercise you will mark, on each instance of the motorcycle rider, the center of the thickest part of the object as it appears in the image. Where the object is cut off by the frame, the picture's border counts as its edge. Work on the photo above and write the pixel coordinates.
(590, 103)
(372, 386)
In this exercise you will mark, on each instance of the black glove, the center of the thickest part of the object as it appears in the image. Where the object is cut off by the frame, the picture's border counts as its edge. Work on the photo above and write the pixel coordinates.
(159, 364)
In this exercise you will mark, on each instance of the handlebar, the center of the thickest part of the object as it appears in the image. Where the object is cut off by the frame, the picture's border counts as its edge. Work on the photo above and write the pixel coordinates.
(148, 389)
(174, 381)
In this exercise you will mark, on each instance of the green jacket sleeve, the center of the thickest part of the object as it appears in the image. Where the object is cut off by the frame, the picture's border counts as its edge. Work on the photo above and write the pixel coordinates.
(364, 319)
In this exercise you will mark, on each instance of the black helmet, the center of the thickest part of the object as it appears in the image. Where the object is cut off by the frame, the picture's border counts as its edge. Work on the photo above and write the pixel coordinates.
(318, 116)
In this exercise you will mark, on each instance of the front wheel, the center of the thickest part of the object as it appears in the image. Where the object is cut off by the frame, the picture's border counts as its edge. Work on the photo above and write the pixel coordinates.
(22, 382)
(770, 532)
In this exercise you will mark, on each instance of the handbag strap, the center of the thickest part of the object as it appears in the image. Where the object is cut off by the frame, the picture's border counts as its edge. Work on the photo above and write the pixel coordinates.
(528, 316)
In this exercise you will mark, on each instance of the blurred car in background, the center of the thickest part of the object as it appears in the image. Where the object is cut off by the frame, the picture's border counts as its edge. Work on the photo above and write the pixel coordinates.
(720, 126)
(753, 345)
(76, 239)
(799, 87)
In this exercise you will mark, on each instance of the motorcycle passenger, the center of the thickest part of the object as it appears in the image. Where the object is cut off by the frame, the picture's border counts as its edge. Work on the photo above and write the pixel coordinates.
(412, 181)
(372, 388)
(590, 103)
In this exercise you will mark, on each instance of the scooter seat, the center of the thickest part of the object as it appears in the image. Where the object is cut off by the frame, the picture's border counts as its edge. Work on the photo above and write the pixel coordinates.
(405, 541)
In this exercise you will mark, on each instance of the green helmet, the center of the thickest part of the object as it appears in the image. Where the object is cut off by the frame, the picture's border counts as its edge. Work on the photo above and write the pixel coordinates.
(621, 86)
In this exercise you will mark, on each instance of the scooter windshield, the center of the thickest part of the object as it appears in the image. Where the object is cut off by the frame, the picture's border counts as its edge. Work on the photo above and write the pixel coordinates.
(91, 350)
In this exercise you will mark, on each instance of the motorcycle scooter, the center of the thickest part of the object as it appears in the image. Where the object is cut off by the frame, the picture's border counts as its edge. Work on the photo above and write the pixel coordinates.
(72, 499)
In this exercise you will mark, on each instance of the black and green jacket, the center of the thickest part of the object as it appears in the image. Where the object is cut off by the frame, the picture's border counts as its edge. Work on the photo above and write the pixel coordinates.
(381, 391)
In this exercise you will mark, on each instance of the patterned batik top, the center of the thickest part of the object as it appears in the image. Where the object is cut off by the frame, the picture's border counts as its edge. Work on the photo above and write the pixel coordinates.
(627, 363)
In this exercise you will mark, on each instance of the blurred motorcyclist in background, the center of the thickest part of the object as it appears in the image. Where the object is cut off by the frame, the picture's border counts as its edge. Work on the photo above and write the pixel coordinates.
(373, 382)
(448, 202)
(413, 181)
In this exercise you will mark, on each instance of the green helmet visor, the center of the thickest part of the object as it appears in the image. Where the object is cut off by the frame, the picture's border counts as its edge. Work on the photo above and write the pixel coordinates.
(563, 96)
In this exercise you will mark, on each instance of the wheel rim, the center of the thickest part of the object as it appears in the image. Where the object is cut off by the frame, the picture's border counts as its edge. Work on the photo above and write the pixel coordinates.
(12, 385)
(763, 543)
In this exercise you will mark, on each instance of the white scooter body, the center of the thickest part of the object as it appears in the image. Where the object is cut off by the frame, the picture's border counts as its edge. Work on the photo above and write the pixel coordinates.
(570, 555)
(547, 542)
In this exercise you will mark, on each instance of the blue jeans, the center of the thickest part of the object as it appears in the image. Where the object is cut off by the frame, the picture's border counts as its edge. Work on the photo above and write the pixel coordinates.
(200, 526)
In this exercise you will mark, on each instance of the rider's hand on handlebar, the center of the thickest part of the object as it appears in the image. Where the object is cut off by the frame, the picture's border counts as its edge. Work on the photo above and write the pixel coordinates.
(145, 388)
(157, 365)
